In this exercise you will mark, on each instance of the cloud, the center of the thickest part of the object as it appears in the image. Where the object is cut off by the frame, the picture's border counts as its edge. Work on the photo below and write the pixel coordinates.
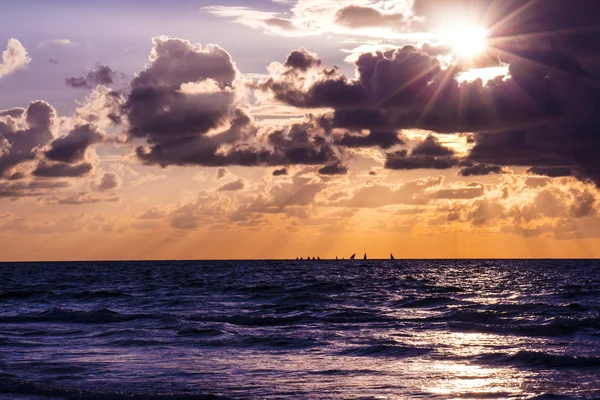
(148, 178)
(541, 115)
(334, 169)
(553, 172)
(380, 195)
(58, 42)
(81, 198)
(380, 138)
(99, 75)
(109, 181)
(471, 191)
(280, 172)
(153, 213)
(14, 58)
(517, 206)
(354, 16)
(471, 169)
(319, 17)
(221, 173)
(20, 139)
(62, 170)
(35, 188)
(233, 186)
(71, 148)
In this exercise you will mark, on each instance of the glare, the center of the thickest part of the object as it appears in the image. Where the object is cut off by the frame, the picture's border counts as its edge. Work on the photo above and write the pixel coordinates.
(466, 42)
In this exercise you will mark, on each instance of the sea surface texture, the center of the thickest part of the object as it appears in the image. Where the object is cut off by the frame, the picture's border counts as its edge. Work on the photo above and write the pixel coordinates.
(302, 330)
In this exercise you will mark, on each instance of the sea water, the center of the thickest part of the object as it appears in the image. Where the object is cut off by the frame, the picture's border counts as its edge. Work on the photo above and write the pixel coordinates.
(300, 329)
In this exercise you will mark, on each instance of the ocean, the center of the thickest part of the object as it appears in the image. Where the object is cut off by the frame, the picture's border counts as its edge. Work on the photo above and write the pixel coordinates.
(374, 329)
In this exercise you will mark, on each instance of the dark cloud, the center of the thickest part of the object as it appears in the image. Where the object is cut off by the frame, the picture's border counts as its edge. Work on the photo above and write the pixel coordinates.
(72, 147)
(81, 198)
(99, 75)
(18, 145)
(471, 169)
(427, 154)
(401, 160)
(109, 181)
(553, 172)
(365, 17)
(432, 147)
(31, 188)
(334, 169)
(60, 170)
(175, 119)
(280, 172)
(302, 60)
(13, 112)
(407, 88)
(383, 139)
(233, 186)
(221, 172)
(544, 114)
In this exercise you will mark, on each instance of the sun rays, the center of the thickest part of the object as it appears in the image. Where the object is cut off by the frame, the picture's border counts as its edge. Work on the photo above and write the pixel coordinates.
(466, 41)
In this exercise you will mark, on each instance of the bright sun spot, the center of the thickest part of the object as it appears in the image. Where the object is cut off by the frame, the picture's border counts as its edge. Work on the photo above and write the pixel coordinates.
(467, 42)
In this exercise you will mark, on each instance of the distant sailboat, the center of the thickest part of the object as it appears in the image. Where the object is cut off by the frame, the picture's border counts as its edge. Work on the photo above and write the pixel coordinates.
(392, 256)
(365, 256)
(336, 257)
(318, 258)
(300, 258)
(352, 256)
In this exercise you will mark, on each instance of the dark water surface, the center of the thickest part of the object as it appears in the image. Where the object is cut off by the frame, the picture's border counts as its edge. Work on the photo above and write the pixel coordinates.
(307, 330)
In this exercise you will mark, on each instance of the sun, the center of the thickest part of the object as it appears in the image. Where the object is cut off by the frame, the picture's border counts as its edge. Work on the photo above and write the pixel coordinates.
(467, 41)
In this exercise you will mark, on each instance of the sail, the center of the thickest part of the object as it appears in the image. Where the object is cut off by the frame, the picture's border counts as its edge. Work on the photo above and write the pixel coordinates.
(392, 256)
(365, 257)
(352, 256)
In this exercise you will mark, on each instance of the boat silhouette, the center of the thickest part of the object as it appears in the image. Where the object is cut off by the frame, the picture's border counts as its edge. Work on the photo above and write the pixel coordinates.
(365, 256)
(352, 256)
(392, 256)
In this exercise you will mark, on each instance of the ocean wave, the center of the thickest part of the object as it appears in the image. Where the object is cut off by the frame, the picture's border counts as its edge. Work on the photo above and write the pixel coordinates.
(99, 294)
(393, 350)
(427, 302)
(555, 327)
(541, 359)
(14, 386)
(279, 341)
(204, 332)
(250, 320)
(23, 294)
(352, 316)
(96, 316)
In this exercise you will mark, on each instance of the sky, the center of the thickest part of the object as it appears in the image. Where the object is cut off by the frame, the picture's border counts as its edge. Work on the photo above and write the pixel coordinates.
(203, 129)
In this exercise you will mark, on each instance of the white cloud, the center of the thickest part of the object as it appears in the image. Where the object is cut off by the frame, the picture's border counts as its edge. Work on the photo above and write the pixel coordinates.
(58, 42)
(14, 58)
